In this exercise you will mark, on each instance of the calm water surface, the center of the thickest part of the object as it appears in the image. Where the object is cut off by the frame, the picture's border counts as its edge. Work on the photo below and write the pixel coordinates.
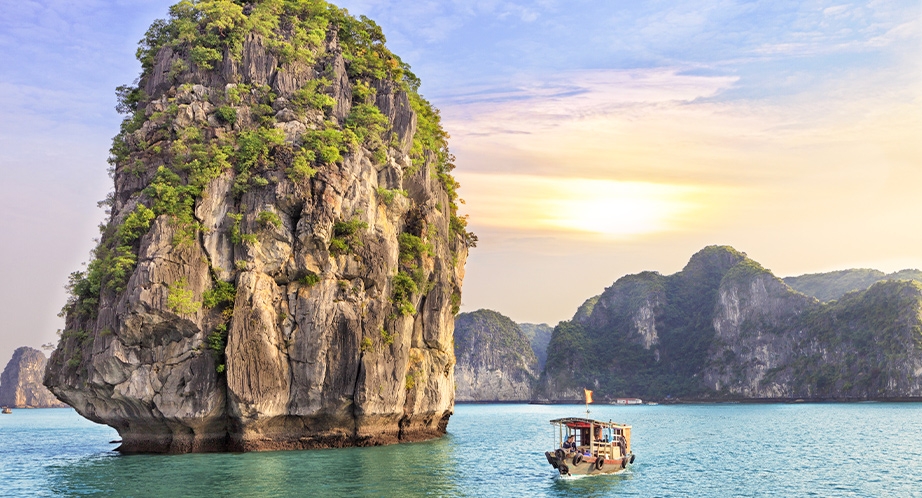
(866, 449)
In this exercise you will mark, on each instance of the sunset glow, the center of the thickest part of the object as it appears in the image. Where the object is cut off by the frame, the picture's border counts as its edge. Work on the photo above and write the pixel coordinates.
(576, 205)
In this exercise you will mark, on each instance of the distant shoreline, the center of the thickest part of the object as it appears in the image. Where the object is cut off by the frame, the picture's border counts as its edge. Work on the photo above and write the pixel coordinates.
(695, 401)
(37, 407)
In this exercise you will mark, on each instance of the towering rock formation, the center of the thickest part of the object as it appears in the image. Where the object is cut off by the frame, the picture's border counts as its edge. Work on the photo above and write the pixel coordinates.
(724, 327)
(21, 381)
(284, 257)
(495, 359)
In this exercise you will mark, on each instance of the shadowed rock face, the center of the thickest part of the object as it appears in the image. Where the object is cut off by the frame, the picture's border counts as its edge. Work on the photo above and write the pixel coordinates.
(495, 359)
(322, 344)
(21, 381)
(539, 335)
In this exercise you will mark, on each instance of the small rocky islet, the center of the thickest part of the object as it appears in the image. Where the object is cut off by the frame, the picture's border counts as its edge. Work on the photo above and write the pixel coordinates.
(21, 381)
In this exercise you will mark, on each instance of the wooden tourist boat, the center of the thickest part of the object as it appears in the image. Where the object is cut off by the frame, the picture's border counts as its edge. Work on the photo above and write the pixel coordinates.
(7, 410)
(600, 447)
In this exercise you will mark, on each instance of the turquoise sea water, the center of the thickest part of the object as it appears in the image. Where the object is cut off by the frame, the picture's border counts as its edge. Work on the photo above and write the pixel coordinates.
(865, 449)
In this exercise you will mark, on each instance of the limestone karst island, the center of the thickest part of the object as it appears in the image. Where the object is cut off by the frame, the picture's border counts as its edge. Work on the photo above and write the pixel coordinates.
(284, 259)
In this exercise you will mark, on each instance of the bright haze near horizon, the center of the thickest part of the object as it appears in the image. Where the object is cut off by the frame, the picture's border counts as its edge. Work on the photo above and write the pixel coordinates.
(593, 139)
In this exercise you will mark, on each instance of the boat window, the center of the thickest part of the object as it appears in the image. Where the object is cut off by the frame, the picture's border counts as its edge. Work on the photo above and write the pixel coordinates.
(578, 435)
(581, 436)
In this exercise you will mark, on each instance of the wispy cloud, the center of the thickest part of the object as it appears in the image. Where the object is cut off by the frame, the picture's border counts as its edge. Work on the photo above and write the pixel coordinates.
(576, 95)
(635, 138)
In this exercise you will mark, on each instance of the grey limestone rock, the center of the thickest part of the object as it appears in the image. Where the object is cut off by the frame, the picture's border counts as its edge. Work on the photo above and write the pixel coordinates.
(21, 381)
(318, 353)
(495, 359)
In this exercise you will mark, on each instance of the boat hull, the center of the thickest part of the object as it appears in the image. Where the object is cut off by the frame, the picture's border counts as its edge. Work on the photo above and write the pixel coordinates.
(576, 465)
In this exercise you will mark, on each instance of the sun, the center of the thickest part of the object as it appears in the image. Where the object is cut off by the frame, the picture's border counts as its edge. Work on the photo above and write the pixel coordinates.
(619, 209)
(609, 208)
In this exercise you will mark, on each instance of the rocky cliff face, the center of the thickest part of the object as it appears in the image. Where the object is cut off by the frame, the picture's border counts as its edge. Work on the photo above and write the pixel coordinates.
(284, 257)
(21, 381)
(724, 327)
(772, 343)
(495, 359)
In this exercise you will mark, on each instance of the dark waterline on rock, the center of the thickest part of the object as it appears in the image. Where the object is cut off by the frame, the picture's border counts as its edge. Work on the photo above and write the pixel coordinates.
(855, 449)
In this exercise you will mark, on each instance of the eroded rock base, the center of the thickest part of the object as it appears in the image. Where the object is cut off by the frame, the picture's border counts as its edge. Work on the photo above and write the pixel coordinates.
(138, 443)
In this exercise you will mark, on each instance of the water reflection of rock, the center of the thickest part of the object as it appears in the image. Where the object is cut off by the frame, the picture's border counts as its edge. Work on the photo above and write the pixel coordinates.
(419, 469)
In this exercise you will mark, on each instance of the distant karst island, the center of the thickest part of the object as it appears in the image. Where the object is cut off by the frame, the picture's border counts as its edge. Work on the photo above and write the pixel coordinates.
(723, 328)
(21, 381)
(284, 257)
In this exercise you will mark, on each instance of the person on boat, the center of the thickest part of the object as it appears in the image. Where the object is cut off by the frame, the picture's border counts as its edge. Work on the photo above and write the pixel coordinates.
(570, 444)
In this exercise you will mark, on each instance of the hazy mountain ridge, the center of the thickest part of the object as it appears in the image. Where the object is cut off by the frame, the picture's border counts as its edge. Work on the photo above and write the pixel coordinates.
(833, 285)
(539, 335)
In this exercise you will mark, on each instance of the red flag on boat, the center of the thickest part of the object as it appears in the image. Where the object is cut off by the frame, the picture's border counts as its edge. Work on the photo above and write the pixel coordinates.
(588, 394)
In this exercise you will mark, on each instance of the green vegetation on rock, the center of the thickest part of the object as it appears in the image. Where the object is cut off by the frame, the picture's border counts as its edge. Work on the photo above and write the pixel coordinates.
(223, 293)
(205, 36)
(347, 236)
(404, 289)
(181, 300)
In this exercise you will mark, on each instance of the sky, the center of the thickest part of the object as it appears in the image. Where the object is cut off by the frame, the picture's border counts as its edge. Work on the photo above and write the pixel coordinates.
(593, 139)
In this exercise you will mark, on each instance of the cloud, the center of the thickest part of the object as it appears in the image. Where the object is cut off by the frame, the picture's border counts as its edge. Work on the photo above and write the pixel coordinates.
(663, 153)
(574, 96)
(902, 33)
(836, 10)
(578, 122)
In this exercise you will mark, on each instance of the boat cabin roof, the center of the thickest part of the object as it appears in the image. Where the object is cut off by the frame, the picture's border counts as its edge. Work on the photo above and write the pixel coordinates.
(585, 423)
